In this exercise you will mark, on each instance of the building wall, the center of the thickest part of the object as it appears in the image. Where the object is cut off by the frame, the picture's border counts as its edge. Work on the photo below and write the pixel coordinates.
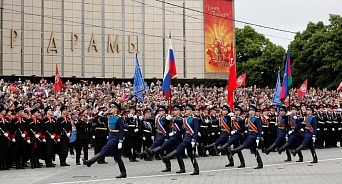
(60, 24)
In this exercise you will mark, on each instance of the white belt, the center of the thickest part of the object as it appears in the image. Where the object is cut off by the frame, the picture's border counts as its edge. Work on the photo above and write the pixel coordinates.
(335, 121)
(147, 131)
(131, 125)
(273, 122)
(321, 122)
(125, 130)
(264, 126)
(214, 126)
(204, 126)
(329, 122)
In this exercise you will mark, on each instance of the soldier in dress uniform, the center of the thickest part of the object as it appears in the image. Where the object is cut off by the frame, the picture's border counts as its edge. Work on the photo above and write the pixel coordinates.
(214, 129)
(64, 130)
(225, 124)
(49, 136)
(254, 128)
(132, 135)
(19, 134)
(339, 129)
(335, 126)
(283, 128)
(265, 130)
(293, 134)
(83, 134)
(329, 127)
(190, 130)
(35, 129)
(4, 138)
(147, 132)
(204, 131)
(310, 124)
(115, 140)
(100, 129)
(273, 126)
(174, 140)
(320, 127)
(237, 125)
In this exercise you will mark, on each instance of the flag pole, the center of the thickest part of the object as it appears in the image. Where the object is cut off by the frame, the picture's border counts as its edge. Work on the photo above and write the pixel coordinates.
(170, 104)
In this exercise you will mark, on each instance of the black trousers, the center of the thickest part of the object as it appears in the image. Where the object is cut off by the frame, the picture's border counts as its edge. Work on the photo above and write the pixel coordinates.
(81, 144)
(132, 143)
(63, 148)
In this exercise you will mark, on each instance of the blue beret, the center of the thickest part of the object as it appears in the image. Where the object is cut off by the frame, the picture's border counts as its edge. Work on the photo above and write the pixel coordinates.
(293, 106)
(252, 107)
(162, 107)
(238, 108)
(177, 107)
(116, 105)
(189, 106)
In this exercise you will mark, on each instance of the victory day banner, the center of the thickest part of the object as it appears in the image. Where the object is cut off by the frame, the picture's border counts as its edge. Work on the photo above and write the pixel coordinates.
(219, 34)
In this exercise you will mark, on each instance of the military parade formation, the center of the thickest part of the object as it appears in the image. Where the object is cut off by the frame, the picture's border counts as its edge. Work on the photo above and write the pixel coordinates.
(163, 133)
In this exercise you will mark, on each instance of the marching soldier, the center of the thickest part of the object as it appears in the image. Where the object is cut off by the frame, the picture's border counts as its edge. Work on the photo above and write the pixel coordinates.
(4, 138)
(254, 128)
(329, 127)
(147, 132)
(133, 125)
(265, 129)
(83, 134)
(19, 134)
(214, 130)
(100, 129)
(283, 128)
(35, 133)
(238, 128)
(115, 139)
(310, 124)
(64, 130)
(273, 126)
(204, 131)
(294, 133)
(320, 127)
(49, 136)
(190, 129)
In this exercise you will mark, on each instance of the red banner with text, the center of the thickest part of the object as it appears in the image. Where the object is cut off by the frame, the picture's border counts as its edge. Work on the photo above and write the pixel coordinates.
(219, 34)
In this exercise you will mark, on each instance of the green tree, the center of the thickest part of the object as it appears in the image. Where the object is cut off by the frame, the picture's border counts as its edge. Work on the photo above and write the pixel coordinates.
(258, 57)
(316, 54)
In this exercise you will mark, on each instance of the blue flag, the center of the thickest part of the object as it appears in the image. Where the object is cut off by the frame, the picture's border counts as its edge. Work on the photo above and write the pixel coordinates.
(276, 96)
(139, 84)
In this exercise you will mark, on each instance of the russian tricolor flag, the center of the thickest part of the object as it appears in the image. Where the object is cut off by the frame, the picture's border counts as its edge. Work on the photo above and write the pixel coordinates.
(169, 72)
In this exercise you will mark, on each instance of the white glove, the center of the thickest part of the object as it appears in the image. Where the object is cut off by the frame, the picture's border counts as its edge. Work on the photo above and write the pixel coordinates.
(246, 131)
(28, 141)
(288, 113)
(206, 121)
(302, 129)
(257, 142)
(23, 135)
(233, 132)
(129, 115)
(199, 134)
(233, 118)
(286, 138)
(135, 116)
(43, 140)
(6, 134)
(171, 134)
(219, 133)
(339, 128)
(262, 132)
(52, 136)
(36, 135)
(314, 139)
(168, 117)
(290, 132)
(93, 136)
(58, 140)
(141, 117)
(318, 129)
(325, 129)
(136, 130)
(68, 134)
(295, 117)
(120, 145)
(107, 137)
(213, 133)
(231, 114)
(152, 137)
(144, 138)
(13, 140)
(193, 144)
(333, 129)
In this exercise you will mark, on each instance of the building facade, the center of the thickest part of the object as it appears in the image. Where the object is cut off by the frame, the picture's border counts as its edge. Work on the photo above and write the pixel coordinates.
(99, 38)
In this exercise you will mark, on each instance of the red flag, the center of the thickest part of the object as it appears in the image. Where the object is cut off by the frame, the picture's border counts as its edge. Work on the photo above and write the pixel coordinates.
(231, 78)
(58, 81)
(339, 87)
(241, 80)
(303, 89)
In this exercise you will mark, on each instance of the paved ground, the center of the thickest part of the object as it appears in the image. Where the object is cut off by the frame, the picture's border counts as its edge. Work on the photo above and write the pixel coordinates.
(212, 170)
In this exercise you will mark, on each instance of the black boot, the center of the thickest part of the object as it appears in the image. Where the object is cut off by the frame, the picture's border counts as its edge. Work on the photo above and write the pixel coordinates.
(4, 167)
(156, 151)
(211, 146)
(223, 147)
(242, 160)
(1, 167)
(140, 155)
(47, 163)
(166, 160)
(294, 152)
(232, 152)
(258, 158)
(51, 164)
(300, 155)
(122, 170)
(314, 156)
(92, 160)
(267, 151)
(283, 148)
(231, 161)
(196, 168)
(181, 166)
(167, 166)
(288, 156)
